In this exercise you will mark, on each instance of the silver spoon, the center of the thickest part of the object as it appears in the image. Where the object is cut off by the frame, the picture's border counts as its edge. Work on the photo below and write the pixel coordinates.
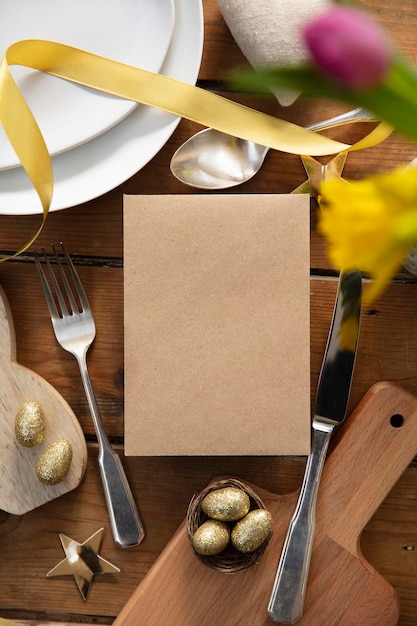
(213, 160)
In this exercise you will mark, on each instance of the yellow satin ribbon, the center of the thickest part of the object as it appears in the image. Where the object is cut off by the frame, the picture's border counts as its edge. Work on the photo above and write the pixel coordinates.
(144, 87)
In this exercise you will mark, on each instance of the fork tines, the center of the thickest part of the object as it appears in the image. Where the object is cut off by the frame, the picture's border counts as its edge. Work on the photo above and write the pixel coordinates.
(61, 276)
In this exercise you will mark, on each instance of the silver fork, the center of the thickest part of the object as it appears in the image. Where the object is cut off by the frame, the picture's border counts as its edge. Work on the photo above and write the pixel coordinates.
(75, 330)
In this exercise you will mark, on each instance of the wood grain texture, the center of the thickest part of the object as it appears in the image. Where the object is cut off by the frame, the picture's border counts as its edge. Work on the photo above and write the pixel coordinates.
(163, 486)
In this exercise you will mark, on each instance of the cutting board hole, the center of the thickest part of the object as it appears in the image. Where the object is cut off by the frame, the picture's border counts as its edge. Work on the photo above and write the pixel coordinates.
(396, 420)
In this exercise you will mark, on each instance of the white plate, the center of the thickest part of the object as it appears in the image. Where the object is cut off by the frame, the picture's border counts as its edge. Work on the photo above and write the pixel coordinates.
(100, 165)
(137, 32)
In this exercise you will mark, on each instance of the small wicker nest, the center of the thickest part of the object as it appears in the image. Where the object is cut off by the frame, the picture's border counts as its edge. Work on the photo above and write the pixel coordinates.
(230, 560)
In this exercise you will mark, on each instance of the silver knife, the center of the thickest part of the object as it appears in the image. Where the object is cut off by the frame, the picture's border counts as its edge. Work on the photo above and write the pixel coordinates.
(288, 592)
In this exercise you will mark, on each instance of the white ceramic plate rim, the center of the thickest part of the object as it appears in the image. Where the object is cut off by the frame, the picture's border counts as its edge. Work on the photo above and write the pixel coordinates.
(104, 163)
(137, 32)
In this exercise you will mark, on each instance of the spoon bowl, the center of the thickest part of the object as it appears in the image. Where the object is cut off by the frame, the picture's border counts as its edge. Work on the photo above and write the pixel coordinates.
(213, 160)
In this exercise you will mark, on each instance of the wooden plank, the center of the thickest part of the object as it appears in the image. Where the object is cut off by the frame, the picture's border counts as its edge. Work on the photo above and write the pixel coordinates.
(386, 346)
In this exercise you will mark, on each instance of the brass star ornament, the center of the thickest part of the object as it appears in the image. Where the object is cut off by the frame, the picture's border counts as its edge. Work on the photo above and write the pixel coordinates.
(83, 562)
(318, 172)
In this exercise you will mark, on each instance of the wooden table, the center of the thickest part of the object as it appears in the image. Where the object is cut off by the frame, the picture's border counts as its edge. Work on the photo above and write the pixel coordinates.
(163, 486)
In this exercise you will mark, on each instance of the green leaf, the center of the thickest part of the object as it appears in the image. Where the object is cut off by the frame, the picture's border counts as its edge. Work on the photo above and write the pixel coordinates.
(394, 100)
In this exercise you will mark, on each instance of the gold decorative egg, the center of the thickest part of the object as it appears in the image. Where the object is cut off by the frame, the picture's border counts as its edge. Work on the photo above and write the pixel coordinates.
(250, 532)
(212, 537)
(227, 504)
(29, 424)
(54, 463)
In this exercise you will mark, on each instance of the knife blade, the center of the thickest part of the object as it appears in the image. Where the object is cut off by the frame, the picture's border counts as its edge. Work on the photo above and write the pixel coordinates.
(287, 598)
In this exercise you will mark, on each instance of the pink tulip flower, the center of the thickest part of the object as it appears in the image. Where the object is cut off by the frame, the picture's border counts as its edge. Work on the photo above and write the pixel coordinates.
(349, 47)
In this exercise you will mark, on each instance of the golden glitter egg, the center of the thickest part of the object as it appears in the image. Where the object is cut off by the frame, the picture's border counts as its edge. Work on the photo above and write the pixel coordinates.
(227, 505)
(250, 532)
(54, 463)
(212, 537)
(29, 424)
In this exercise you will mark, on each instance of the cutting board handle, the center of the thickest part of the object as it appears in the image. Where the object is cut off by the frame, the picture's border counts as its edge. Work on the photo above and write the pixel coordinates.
(379, 440)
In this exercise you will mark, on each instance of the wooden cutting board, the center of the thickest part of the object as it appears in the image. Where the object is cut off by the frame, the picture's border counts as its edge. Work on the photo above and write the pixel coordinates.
(368, 456)
(20, 489)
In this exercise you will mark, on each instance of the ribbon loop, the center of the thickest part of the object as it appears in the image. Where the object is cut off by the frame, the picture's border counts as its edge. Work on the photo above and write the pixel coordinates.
(143, 87)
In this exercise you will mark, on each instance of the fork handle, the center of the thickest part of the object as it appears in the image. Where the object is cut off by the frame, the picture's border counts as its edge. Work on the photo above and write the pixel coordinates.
(126, 525)
(125, 522)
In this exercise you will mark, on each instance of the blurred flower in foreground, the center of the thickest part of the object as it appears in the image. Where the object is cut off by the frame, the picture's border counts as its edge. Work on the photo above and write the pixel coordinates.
(352, 61)
(370, 224)
(349, 47)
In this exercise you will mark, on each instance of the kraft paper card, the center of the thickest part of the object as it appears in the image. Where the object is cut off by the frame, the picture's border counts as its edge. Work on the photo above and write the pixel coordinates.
(217, 325)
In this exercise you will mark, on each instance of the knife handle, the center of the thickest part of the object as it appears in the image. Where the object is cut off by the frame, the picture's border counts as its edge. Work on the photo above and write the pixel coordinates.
(287, 598)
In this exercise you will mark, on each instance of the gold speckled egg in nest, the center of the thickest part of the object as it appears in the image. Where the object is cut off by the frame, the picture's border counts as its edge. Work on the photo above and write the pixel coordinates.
(227, 504)
(231, 559)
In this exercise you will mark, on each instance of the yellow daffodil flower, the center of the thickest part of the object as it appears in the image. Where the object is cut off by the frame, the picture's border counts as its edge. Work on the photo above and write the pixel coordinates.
(370, 224)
